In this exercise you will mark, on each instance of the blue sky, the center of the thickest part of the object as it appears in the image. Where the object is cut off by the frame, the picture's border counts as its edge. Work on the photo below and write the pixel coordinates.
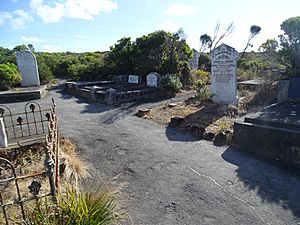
(94, 25)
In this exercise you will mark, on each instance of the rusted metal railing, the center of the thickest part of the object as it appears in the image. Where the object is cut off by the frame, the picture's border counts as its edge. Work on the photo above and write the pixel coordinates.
(8, 175)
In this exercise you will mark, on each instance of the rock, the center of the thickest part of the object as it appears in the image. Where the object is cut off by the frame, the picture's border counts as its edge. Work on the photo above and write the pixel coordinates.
(143, 113)
(220, 139)
(209, 136)
(172, 105)
(198, 130)
(176, 121)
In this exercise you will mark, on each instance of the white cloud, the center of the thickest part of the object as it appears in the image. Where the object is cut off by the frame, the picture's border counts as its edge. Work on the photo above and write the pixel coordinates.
(52, 48)
(79, 36)
(30, 40)
(47, 13)
(168, 25)
(17, 19)
(20, 18)
(78, 9)
(179, 9)
(4, 17)
(88, 9)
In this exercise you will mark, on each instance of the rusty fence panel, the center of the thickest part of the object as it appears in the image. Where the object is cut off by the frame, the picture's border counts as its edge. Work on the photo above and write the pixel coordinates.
(32, 122)
(8, 175)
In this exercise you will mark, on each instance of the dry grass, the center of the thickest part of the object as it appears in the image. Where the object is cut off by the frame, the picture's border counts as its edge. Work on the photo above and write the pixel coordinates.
(74, 167)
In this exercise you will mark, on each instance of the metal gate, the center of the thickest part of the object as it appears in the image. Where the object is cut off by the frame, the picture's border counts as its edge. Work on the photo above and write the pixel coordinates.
(32, 124)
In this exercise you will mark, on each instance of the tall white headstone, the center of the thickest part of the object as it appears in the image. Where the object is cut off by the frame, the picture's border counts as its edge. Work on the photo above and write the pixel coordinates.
(223, 74)
(28, 68)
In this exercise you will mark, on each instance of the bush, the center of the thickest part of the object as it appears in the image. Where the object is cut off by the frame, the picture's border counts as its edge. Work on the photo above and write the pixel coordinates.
(45, 73)
(97, 207)
(170, 84)
(9, 76)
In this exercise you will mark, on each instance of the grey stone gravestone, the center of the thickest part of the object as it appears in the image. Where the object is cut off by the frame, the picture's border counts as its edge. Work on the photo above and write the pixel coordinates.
(223, 74)
(28, 68)
(133, 79)
(153, 79)
(195, 60)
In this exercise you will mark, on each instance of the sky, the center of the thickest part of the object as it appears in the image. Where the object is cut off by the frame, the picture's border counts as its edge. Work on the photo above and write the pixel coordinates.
(95, 25)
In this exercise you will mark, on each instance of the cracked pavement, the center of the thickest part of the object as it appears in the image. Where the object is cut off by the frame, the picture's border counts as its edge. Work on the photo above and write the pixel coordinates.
(170, 177)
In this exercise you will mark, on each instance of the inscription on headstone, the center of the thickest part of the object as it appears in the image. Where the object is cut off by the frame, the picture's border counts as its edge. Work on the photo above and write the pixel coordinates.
(133, 79)
(223, 75)
(27, 66)
(152, 79)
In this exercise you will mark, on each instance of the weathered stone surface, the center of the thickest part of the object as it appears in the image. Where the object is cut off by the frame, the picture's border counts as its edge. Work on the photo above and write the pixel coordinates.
(3, 137)
(153, 79)
(223, 75)
(172, 105)
(133, 79)
(28, 68)
(143, 112)
(195, 60)
(283, 90)
(273, 133)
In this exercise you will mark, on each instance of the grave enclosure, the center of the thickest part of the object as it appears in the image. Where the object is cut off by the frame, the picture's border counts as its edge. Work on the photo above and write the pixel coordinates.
(122, 88)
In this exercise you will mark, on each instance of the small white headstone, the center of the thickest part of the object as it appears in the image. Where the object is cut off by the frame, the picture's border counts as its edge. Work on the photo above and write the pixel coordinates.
(133, 79)
(3, 137)
(152, 79)
(28, 68)
(223, 74)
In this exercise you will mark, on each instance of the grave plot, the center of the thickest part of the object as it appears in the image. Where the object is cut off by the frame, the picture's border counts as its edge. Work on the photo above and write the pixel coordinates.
(123, 88)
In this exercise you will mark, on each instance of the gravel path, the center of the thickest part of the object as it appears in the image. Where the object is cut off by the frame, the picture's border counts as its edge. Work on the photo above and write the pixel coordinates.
(170, 177)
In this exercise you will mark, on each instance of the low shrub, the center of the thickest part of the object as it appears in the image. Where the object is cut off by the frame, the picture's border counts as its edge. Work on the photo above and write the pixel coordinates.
(9, 76)
(170, 84)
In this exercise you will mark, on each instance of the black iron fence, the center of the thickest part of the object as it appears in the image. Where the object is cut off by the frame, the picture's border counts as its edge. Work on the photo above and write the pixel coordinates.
(10, 180)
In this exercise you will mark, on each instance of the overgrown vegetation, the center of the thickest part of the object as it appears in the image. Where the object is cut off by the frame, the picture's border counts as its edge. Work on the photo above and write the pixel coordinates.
(170, 84)
(9, 76)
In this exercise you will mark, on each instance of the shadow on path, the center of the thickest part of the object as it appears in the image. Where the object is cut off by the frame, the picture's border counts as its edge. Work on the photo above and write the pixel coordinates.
(177, 135)
(272, 184)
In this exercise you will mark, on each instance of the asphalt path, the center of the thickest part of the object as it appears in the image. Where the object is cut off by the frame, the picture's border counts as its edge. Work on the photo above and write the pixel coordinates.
(168, 177)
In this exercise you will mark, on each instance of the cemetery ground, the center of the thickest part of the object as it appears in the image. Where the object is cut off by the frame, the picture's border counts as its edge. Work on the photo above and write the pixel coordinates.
(169, 177)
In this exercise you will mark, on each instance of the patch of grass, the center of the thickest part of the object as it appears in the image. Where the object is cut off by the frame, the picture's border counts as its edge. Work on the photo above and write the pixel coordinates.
(85, 208)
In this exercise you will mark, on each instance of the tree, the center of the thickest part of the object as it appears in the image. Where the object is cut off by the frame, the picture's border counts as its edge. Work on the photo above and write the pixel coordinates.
(290, 44)
(217, 37)
(31, 48)
(9, 76)
(205, 41)
(20, 48)
(270, 46)
(254, 31)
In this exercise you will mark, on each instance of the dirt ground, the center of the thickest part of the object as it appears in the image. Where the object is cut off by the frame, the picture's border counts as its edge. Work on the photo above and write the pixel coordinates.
(210, 117)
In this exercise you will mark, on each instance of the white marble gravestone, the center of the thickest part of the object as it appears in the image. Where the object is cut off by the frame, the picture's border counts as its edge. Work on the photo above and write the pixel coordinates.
(152, 79)
(133, 79)
(28, 68)
(223, 74)
(3, 137)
